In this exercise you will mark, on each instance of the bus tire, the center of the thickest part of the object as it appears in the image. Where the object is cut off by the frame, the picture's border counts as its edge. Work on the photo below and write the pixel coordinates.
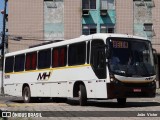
(121, 101)
(26, 95)
(82, 95)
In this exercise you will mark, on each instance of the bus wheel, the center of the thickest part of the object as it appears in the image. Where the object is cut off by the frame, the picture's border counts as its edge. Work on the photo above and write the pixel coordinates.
(121, 101)
(26, 95)
(82, 95)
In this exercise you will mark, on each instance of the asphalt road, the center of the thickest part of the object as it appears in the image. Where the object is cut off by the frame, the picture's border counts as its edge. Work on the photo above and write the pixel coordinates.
(136, 108)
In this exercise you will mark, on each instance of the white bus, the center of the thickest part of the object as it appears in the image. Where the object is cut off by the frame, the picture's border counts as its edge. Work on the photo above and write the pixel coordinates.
(98, 66)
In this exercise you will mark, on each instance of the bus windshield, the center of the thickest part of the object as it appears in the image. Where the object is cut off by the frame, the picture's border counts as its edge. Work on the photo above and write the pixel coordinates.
(131, 57)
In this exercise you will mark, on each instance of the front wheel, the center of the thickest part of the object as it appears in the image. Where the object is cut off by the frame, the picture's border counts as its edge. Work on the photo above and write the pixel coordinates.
(121, 101)
(82, 95)
(26, 95)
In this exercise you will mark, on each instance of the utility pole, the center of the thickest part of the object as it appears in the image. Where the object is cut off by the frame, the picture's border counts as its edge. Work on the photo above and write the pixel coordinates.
(3, 44)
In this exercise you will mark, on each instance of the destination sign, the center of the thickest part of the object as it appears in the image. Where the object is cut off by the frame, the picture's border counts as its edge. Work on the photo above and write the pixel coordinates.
(120, 44)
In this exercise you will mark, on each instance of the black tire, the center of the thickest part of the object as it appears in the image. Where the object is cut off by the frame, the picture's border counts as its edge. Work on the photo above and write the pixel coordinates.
(121, 101)
(82, 95)
(26, 95)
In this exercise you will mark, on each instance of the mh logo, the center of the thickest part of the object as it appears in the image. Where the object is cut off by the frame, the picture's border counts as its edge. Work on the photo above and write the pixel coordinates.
(44, 76)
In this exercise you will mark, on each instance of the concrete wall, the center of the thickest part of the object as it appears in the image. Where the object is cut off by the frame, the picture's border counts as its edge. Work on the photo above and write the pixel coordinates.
(124, 16)
(142, 14)
(25, 20)
(33, 20)
(53, 20)
(72, 18)
(156, 25)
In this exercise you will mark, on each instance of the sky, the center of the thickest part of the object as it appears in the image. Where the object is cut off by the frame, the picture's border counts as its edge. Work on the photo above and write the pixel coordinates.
(1, 16)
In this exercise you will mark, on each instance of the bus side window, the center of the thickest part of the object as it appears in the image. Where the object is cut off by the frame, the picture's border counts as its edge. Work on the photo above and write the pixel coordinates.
(88, 51)
(31, 61)
(44, 59)
(55, 58)
(9, 62)
(19, 63)
(63, 56)
(59, 57)
(98, 58)
(77, 54)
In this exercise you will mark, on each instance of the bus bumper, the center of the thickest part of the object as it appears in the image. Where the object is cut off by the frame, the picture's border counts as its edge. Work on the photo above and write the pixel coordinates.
(131, 90)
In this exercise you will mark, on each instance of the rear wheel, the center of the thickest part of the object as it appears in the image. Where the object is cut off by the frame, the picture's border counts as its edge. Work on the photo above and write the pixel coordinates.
(26, 95)
(82, 94)
(121, 101)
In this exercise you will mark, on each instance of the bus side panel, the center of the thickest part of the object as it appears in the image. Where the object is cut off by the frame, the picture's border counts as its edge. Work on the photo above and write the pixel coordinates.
(62, 89)
(70, 89)
(13, 89)
(54, 89)
(40, 90)
(100, 89)
(8, 89)
(90, 88)
(70, 76)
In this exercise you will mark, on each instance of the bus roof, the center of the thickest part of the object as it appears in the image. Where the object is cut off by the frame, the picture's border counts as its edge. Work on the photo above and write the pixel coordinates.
(75, 40)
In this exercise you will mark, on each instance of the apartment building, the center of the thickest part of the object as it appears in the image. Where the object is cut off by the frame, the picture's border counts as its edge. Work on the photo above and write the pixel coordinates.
(32, 22)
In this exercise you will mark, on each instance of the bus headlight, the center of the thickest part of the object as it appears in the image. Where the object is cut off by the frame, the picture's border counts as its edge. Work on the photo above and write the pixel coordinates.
(112, 79)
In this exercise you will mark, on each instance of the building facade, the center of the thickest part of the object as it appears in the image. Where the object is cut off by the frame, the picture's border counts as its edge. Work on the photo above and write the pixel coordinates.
(33, 22)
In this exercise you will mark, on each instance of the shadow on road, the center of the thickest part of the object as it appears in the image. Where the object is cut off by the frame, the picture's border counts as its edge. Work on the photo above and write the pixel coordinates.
(112, 104)
(41, 100)
(128, 104)
(103, 104)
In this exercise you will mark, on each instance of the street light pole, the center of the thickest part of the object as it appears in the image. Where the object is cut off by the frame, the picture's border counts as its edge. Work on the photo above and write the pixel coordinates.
(3, 44)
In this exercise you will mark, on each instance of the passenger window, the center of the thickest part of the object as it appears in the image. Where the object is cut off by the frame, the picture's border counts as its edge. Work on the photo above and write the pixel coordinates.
(19, 63)
(31, 61)
(55, 58)
(44, 59)
(88, 51)
(59, 57)
(77, 54)
(63, 56)
(9, 62)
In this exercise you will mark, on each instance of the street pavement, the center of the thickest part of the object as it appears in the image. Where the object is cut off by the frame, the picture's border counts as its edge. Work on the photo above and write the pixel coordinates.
(63, 111)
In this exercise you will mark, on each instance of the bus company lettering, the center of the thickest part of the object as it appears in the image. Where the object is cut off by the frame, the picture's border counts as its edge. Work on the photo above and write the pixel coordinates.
(44, 76)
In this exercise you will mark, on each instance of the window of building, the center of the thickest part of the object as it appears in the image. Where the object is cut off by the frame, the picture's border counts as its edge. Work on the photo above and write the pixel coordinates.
(89, 4)
(104, 4)
(9, 62)
(19, 63)
(50, 3)
(44, 59)
(107, 29)
(59, 57)
(148, 26)
(31, 61)
(77, 54)
(89, 29)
